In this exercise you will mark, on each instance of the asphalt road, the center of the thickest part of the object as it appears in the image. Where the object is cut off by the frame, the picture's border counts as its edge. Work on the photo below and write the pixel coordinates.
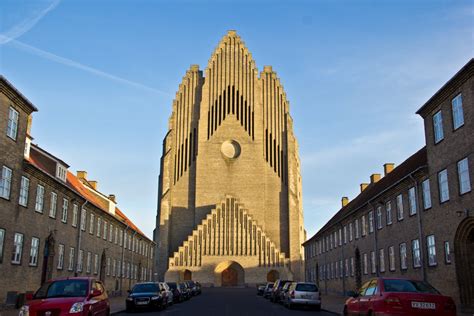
(229, 302)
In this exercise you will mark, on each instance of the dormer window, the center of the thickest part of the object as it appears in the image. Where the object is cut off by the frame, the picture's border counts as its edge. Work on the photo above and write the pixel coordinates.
(61, 172)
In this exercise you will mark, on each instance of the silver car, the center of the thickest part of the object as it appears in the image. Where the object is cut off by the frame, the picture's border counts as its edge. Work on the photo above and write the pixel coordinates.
(303, 293)
(168, 294)
(268, 290)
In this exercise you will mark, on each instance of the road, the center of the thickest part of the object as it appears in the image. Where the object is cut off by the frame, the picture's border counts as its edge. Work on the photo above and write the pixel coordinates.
(229, 302)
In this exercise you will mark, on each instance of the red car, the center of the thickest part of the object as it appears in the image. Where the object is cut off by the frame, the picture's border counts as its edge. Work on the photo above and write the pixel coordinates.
(392, 296)
(68, 296)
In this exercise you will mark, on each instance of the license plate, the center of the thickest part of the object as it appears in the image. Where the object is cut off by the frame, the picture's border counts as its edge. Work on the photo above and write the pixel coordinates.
(423, 305)
(307, 296)
(142, 303)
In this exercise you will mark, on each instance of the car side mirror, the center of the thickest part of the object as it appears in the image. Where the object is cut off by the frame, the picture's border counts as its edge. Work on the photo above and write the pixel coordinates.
(129, 291)
(96, 292)
(352, 294)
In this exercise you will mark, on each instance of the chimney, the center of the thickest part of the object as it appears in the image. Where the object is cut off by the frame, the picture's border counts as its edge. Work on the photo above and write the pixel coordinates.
(344, 201)
(388, 167)
(363, 186)
(374, 178)
(82, 175)
(112, 198)
(93, 184)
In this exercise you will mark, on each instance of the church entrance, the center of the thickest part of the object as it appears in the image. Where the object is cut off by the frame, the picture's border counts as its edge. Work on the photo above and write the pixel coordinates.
(464, 253)
(229, 277)
(187, 275)
(229, 273)
(272, 276)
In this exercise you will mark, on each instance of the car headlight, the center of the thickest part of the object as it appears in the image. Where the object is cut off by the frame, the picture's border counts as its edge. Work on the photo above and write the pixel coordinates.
(24, 311)
(76, 308)
(154, 298)
(129, 299)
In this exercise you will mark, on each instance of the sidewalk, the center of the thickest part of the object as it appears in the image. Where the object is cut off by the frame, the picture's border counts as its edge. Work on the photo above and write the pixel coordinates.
(333, 303)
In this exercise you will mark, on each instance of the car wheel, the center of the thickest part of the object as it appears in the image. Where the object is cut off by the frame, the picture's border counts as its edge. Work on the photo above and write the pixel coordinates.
(107, 312)
(129, 310)
(345, 313)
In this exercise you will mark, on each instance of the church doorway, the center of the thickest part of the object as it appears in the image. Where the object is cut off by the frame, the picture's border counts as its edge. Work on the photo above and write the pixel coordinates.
(272, 276)
(187, 275)
(229, 277)
(229, 273)
(464, 255)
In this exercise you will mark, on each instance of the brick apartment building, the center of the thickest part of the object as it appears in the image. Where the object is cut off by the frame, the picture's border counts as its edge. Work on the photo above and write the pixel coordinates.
(54, 223)
(417, 220)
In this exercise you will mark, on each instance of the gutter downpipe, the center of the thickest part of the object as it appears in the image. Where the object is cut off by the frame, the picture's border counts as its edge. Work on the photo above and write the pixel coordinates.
(79, 236)
(123, 258)
(420, 229)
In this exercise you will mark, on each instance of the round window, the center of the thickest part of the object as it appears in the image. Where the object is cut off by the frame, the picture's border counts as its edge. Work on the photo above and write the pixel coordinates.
(230, 149)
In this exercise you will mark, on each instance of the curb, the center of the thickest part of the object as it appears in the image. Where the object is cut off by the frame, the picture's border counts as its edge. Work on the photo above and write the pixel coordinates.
(117, 312)
(328, 311)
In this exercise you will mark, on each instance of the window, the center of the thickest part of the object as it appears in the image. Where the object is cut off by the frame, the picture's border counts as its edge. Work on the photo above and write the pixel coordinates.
(111, 232)
(463, 175)
(99, 220)
(400, 207)
(340, 236)
(34, 251)
(371, 289)
(83, 219)
(108, 266)
(17, 248)
(364, 226)
(366, 264)
(121, 238)
(352, 266)
(53, 206)
(91, 224)
(350, 231)
(371, 222)
(80, 260)
(24, 188)
(60, 257)
(5, 183)
(96, 263)
(105, 230)
(412, 200)
(12, 125)
(447, 252)
(379, 217)
(114, 264)
(443, 185)
(458, 116)
(64, 213)
(382, 260)
(74, 215)
(388, 210)
(426, 194)
(373, 262)
(2, 242)
(415, 245)
(345, 234)
(39, 204)
(116, 235)
(130, 241)
(438, 127)
(431, 245)
(88, 262)
(391, 258)
(341, 269)
(356, 224)
(403, 256)
(61, 172)
(71, 259)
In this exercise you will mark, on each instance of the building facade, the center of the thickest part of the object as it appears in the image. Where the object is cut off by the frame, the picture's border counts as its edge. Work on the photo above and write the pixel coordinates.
(54, 223)
(230, 203)
(418, 220)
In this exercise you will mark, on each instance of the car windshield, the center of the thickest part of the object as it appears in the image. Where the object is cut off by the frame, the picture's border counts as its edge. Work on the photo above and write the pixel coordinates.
(63, 288)
(270, 286)
(145, 288)
(411, 286)
(172, 285)
(305, 287)
(191, 283)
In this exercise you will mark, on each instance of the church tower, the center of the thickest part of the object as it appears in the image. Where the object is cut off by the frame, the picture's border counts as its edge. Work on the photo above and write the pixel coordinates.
(230, 199)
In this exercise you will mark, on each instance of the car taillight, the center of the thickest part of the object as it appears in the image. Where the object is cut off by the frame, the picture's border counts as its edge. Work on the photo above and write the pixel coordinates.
(292, 294)
(393, 301)
(449, 305)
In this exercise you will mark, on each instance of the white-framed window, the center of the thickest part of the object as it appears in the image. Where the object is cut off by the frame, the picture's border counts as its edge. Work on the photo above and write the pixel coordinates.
(60, 257)
(121, 238)
(130, 241)
(71, 259)
(415, 246)
(403, 256)
(80, 260)
(352, 266)
(61, 172)
(366, 264)
(96, 263)
(24, 189)
(116, 235)
(379, 217)
(6, 182)
(345, 234)
(75, 210)
(83, 219)
(64, 210)
(88, 262)
(17, 248)
(371, 222)
(364, 226)
(2, 242)
(114, 265)
(400, 207)
(337, 270)
(388, 210)
(373, 262)
(443, 185)
(438, 127)
(382, 260)
(105, 231)
(412, 200)
(463, 176)
(54, 205)
(426, 194)
(431, 247)
(340, 236)
(330, 242)
(391, 258)
(108, 266)
(12, 125)
(91, 223)
(458, 115)
(34, 251)
(39, 203)
(447, 253)
(111, 232)
(350, 231)
(357, 232)
(341, 271)
(99, 222)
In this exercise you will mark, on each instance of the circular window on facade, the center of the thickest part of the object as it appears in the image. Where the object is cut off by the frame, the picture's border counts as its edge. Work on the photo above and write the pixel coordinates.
(230, 149)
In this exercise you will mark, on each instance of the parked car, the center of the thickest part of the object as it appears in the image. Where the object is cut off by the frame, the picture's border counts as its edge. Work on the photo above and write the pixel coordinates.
(302, 293)
(145, 295)
(267, 293)
(177, 295)
(192, 287)
(284, 291)
(167, 293)
(198, 287)
(260, 289)
(185, 290)
(399, 296)
(62, 296)
(277, 286)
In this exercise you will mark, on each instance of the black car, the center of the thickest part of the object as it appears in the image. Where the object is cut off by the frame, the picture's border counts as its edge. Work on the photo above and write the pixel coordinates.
(178, 297)
(275, 296)
(185, 290)
(198, 287)
(192, 286)
(145, 295)
(260, 289)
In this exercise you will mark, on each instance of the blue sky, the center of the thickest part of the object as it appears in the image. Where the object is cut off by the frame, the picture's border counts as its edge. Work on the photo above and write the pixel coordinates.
(103, 75)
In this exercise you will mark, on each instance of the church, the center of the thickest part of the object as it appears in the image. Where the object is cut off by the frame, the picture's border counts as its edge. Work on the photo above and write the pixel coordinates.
(230, 209)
